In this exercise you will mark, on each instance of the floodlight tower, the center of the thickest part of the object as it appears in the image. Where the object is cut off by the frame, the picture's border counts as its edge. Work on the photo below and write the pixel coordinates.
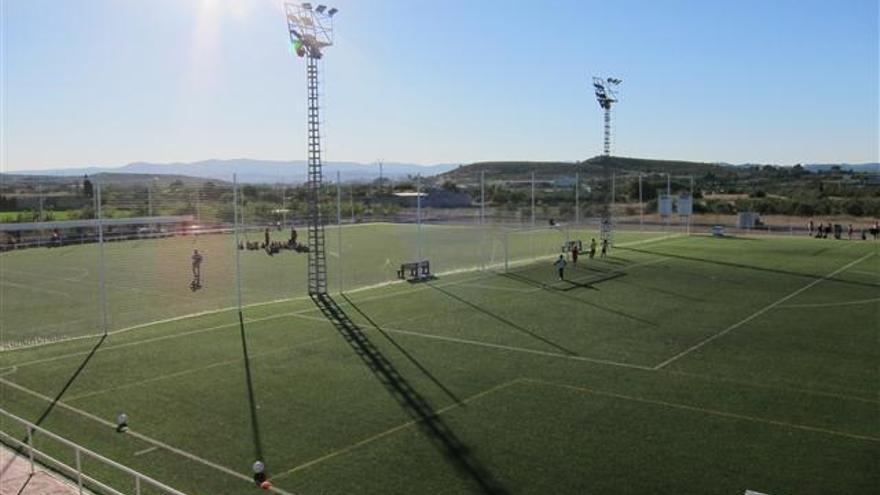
(606, 95)
(311, 31)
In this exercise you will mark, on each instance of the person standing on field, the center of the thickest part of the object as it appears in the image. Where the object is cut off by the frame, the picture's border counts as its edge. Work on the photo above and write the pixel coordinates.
(560, 267)
(592, 248)
(196, 269)
(574, 254)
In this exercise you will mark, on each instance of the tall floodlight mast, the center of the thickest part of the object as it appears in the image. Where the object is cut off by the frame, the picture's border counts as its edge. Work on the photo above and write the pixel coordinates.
(311, 31)
(606, 95)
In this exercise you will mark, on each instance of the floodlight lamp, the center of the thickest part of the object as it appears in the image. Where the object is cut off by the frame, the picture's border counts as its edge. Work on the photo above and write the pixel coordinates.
(307, 6)
(332, 12)
(320, 9)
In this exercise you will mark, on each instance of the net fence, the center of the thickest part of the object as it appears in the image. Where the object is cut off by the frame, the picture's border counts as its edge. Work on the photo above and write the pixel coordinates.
(81, 256)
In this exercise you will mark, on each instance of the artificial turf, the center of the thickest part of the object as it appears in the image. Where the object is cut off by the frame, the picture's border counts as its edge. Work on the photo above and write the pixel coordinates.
(676, 365)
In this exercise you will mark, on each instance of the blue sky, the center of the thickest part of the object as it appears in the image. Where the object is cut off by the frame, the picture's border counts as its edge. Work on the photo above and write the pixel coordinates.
(108, 82)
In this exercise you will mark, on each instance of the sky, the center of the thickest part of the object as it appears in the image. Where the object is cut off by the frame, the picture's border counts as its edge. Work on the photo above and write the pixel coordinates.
(109, 82)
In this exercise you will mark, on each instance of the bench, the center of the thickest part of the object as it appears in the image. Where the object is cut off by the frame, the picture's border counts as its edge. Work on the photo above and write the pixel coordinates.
(414, 271)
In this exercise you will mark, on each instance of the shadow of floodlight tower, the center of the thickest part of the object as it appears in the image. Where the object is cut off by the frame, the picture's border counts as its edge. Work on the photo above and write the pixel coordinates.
(606, 95)
(311, 31)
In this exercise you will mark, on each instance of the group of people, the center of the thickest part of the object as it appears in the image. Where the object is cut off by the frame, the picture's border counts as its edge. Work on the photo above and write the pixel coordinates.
(560, 263)
(273, 247)
(822, 231)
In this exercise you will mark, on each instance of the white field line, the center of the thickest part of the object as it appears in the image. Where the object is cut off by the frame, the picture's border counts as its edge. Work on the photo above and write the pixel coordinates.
(83, 273)
(703, 410)
(830, 304)
(391, 431)
(35, 288)
(759, 313)
(139, 436)
(145, 451)
(160, 338)
(489, 345)
(498, 287)
(835, 395)
(13, 346)
(189, 371)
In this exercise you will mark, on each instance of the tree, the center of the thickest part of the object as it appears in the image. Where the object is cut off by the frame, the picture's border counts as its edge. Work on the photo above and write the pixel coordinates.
(88, 190)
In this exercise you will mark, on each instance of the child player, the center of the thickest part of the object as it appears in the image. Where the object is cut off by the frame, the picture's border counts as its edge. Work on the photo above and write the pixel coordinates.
(604, 247)
(560, 267)
(574, 253)
(592, 248)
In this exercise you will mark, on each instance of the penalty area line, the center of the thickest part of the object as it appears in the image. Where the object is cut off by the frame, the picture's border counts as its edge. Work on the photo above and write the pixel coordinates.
(489, 345)
(758, 313)
(391, 431)
(713, 412)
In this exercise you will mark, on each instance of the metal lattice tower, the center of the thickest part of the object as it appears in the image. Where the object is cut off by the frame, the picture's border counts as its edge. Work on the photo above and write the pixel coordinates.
(606, 95)
(607, 141)
(317, 257)
(311, 30)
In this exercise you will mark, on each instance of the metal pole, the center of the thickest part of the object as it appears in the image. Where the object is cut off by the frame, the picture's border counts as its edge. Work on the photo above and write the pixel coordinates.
(198, 207)
(692, 205)
(419, 219)
(42, 232)
(102, 284)
(668, 198)
(284, 205)
(613, 192)
(150, 198)
(533, 199)
(30, 442)
(531, 232)
(641, 207)
(482, 197)
(339, 226)
(236, 212)
(351, 199)
(577, 201)
(506, 249)
(79, 475)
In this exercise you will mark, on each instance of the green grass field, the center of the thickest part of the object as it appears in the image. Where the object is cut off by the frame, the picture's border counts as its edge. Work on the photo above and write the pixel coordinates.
(676, 365)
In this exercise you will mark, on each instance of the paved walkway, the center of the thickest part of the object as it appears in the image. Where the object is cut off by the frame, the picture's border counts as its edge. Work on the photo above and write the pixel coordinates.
(16, 477)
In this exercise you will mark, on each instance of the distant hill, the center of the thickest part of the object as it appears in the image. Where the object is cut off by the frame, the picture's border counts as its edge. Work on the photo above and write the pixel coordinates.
(858, 167)
(255, 171)
(596, 166)
(18, 179)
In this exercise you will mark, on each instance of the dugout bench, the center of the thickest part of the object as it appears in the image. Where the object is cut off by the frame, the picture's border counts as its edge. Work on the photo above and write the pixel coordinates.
(419, 270)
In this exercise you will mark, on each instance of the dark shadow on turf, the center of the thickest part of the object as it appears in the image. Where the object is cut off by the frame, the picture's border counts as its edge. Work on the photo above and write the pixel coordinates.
(58, 396)
(252, 403)
(443, 438)
(562, 293)
(403, 351)
(666, 292)
(505, 321)
(750, 267)
(25, 485)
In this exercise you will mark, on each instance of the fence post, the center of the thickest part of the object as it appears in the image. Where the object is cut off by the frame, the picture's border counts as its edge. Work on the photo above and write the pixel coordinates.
(30, 441)
(137, 485)
(506, 250)
(79, 476)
